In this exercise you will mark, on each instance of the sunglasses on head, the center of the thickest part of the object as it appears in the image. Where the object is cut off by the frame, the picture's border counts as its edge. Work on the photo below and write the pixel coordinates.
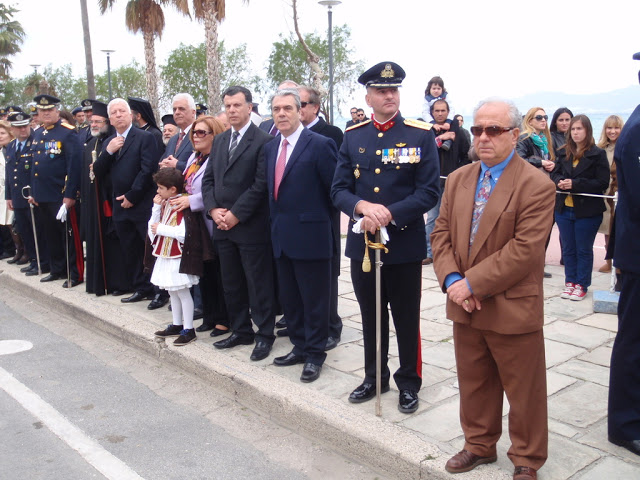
(541, 117)
(200, 133)
(492, 131)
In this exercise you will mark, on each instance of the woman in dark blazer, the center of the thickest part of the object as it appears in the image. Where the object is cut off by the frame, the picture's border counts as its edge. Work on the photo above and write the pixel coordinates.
(202, 132)
(581, 168)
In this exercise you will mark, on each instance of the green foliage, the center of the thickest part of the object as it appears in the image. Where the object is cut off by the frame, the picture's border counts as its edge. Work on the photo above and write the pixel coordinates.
(288, 61)
(11, 38)
(126, 81)
(186, 71)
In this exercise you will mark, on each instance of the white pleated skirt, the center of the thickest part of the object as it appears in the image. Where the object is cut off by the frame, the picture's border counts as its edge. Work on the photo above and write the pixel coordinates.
(166, 275)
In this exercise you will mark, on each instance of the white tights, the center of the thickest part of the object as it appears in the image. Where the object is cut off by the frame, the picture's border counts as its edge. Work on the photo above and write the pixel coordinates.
(182, 308)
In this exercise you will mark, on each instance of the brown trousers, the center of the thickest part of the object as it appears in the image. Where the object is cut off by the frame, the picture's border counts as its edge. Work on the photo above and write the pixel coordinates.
(489, 364)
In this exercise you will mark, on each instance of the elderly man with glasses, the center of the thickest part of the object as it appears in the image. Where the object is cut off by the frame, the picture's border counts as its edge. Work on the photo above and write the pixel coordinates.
(488, 247)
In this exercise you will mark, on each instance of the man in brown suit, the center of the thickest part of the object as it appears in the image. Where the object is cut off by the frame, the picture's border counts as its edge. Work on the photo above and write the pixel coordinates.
(488, 246)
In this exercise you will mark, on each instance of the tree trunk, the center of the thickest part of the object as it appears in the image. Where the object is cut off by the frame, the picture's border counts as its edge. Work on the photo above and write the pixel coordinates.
(213, 61)
(150, 73)
(312, 58)
(91, 84)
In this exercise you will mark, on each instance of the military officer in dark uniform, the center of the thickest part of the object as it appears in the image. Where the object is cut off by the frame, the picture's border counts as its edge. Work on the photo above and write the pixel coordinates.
(84, 131)
(201, 109)
(55, 181)
(18, 175)
(388, 176)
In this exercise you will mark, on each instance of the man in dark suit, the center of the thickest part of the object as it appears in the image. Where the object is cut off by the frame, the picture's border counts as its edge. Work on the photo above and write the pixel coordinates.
(304, 230)
(387, 176)
(624, 386)
(488, 247)
(309, 108)
(234, 190)
(179, 148)
(131, 157)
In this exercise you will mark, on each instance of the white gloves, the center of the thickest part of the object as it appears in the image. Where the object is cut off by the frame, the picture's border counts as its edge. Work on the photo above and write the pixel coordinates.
(384, 235)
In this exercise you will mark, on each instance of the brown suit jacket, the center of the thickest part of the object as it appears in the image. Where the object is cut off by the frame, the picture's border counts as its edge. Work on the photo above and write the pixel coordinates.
(505, 266)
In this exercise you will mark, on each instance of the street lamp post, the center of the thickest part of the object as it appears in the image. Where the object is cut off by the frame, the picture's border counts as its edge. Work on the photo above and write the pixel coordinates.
(329, 4)
(109, 52)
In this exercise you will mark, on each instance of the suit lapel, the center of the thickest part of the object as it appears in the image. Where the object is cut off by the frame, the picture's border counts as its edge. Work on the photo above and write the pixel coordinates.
(301, 144)
(583, 164)
(245, 142)
(498, 200)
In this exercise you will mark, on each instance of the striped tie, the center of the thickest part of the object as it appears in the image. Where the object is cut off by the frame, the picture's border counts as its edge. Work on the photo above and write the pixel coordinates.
(234, 144)
(478, 207)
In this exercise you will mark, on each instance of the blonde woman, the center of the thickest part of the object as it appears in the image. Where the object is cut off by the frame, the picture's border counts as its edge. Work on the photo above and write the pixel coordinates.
(7, 248)
(535, 144)
(608, 138)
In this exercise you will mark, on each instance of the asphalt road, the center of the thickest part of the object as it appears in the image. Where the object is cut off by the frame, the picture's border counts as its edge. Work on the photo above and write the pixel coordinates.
(79, 405)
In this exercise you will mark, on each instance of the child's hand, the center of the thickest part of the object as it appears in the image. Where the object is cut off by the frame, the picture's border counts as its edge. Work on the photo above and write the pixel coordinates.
(157, 200)
(154, 227)
(445, 126)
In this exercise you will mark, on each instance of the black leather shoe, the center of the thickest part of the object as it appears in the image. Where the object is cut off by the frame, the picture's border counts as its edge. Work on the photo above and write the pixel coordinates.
(50, 278)
(261, 351)
(28, 267)
(22, 260)
(288, 360)
(5, 255)
(204, 328)
(282, 323)
(332, 342)
(136, 297)
(409, 401)
(118, 293)
(366, 392)
(310, 372)
(632, 445)
(234, 340)
(216, 332)
(32, 271)
(282, 333)
(158, 301)
(74, 283)
(197, 314)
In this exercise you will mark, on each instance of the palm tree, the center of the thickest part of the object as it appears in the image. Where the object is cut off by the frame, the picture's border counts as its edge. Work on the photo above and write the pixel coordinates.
(11, 37)
(91, 83)
(147, 16)
(212, 12)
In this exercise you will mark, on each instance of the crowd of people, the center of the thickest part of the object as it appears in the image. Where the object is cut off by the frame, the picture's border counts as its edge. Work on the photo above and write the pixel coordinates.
(235, 220)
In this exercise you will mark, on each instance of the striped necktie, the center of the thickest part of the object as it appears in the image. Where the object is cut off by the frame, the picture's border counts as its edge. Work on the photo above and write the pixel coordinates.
(234, 144)
(478, 207)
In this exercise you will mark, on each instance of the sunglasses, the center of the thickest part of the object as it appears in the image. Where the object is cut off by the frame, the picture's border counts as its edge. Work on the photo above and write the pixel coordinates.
(492, 131)
(200, 133)
(304, 104)
(541, 117)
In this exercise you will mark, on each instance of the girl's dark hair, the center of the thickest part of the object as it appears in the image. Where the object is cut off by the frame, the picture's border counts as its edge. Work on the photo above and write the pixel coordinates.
(434, 81)
(169, 177)
(573, 149)
(553, 126)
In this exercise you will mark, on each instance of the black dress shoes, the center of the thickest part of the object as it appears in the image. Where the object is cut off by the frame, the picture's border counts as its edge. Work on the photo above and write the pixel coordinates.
(282, 333)
(233, 340)
(261, 351)
(632, 445)
(216, 332)
(118, 293)
(74, 283)
(282, 323)
(27, 268)
(197, 314)
(22, 260)
(50, 278)
(408, 402)
(136, 297)
(332, 342)
(288, 360)
(204, 328)
(158, 301)
(310, 372)
(366, 392)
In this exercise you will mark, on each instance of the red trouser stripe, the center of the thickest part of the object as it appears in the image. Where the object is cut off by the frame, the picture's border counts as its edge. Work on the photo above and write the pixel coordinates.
(419, 365)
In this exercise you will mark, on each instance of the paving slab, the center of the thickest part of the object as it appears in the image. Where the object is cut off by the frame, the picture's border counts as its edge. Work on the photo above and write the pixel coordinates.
(439, 354)
(599, 356)
(441, 423)
(610, 469)
(576, 334)
(557, 352)
(589, 372)
(604, 321)
(434, 331)
(597, 437)
(580, 406)
(557, 382)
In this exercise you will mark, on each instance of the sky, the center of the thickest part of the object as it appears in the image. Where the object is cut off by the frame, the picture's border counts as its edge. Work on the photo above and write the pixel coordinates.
(480, 48)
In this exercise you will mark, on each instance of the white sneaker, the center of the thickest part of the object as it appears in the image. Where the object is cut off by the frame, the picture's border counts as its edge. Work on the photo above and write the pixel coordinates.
(578, 293)
(568, 290)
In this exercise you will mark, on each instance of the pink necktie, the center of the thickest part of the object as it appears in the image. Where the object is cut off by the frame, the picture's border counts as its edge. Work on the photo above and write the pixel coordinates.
(180, 138)
(280, 164)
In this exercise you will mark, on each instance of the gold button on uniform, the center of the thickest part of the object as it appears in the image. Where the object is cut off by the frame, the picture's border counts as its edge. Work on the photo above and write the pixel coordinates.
(397, 167)
(376, 189)
(377, 170)
(36, 163)
(378, 152)
(36, 175)
(380, 134)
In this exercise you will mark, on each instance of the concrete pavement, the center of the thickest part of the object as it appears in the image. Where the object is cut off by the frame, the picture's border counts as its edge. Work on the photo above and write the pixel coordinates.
(578, 348)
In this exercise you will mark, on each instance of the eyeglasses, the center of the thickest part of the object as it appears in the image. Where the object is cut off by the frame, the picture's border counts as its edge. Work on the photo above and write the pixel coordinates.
(361, 114)
(354, 112)
(541, 117)
(304, 104)
(201, 133)
(492, 131)
(98, 122)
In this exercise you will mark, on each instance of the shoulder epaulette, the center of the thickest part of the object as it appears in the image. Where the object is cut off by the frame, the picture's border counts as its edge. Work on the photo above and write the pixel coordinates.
(417, 124)
(358, 125)
(66, 125)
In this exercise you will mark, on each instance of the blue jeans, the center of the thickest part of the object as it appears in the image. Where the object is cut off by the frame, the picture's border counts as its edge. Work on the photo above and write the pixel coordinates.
(578, 235)
(432, 215)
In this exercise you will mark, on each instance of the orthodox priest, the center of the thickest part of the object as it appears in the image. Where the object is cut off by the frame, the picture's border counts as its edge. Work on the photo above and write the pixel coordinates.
(104, 272)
